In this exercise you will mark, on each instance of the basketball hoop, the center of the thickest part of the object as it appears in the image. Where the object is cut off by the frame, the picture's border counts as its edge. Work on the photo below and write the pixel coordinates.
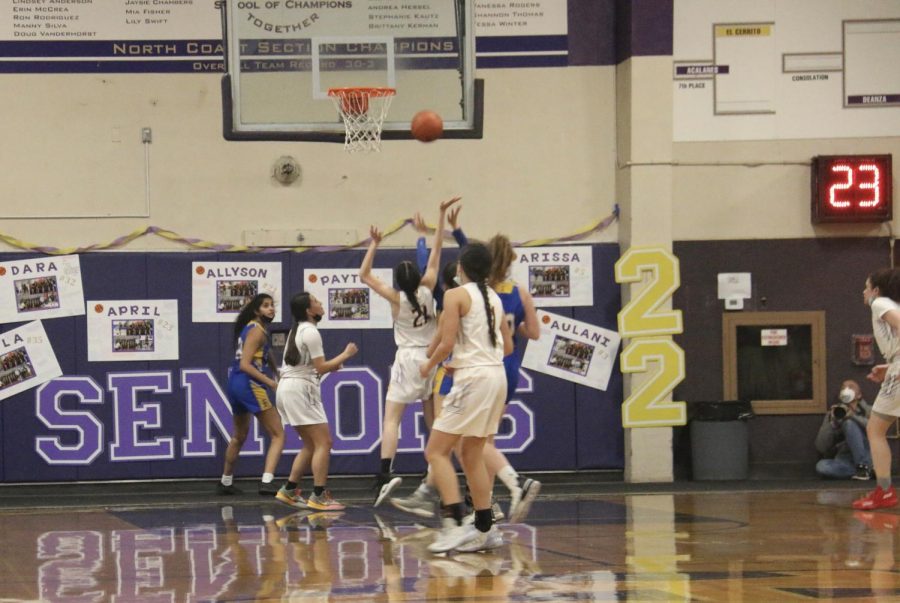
(363, 111)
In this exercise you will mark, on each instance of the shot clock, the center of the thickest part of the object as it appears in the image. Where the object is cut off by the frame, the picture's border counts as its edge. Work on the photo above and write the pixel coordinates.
(851, 188)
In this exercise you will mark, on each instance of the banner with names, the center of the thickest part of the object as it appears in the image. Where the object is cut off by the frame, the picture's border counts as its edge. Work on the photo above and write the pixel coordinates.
(26, 359)
(556, 276)
(132, 329)
(40, 288)
(220, 289)
(573, 350)
(348, 302)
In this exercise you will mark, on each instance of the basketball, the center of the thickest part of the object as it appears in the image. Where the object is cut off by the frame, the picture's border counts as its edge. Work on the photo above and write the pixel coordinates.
(427, 126)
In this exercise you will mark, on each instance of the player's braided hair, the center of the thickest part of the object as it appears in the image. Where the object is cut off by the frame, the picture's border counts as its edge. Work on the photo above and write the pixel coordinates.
(475, 259)
(300, 304)
(408, 279)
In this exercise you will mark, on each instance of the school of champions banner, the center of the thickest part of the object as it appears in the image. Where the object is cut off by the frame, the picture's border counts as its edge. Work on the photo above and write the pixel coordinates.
(26, 359)
(348, 302)
(132, 330)
(40, 288)
(573, 350)
(220, 289)
(556, 276)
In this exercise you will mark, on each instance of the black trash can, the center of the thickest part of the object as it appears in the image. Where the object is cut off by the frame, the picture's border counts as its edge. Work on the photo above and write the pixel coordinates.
(720, 443)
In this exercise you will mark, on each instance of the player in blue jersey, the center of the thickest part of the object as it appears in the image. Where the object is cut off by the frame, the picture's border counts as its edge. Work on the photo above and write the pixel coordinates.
(518, 308)
(251, 381)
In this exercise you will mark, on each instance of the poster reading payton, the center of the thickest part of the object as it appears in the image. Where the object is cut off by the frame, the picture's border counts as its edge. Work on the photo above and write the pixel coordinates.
(26, 359)
(40, 288)
(220, 289)
(573, 350)
(348, 303)
(556, 276)
(132, 329)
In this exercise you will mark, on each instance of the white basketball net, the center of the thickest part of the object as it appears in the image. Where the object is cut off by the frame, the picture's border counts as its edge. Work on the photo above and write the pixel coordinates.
(363, 111)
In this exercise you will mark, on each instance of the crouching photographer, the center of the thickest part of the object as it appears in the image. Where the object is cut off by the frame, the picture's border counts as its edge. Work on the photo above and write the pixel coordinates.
(842, 441)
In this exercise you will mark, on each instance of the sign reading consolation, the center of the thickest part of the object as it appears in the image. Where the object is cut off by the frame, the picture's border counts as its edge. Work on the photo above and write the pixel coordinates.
(556, 276)
(40, 288)
(132, 330)
(26, 359)
(220, 289)
(573, 350)
(348, 302)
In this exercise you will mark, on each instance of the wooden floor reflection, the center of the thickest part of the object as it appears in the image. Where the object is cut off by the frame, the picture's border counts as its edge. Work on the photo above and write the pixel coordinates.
(733, 546)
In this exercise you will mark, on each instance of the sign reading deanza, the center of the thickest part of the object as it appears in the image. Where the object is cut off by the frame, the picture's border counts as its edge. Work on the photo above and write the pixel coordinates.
(221, 289)
(26, 359)
(40, 288)
(573, 350)
(132, 329)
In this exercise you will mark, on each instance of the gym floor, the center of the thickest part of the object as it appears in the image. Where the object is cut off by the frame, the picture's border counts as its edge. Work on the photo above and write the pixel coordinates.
(589, 536)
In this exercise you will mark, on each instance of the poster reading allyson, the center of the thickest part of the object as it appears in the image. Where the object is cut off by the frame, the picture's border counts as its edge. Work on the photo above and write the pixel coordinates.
(132, 329)
(40, 288)
(220, 289)
(26, 359)
(573, 350)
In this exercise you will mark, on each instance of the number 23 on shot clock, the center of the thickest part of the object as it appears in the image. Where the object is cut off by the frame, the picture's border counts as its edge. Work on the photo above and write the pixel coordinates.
(851, 188)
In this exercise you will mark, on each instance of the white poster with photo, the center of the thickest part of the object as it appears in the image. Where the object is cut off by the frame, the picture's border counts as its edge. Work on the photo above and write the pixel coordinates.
(348, 302)
(220, 289)
(556, 276)
(40, 288)
(26, 359)
(132, 329)
(573, 350)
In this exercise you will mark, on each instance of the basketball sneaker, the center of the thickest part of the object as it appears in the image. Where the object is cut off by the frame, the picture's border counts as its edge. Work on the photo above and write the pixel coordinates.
(292, 498)
(453, 537)
(877, 499)
(518, 509)
(484, 541)
(863, 473)
(268, 488)
(384, 485)
(324, 502)
(223, 490)
(421, 502)
(497, 514)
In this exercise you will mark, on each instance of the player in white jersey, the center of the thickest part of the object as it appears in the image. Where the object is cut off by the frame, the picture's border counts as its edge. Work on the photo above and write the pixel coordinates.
(882, 294)
(474, 330)
(412, 308)
(299, 401)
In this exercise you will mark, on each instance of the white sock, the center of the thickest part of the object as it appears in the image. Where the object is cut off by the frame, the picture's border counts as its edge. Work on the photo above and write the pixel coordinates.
(227, 480)
(509, 477)
(268, 477)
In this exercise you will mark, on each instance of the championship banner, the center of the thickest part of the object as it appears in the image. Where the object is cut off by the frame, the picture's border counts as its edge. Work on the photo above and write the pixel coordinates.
(26, 359)
(129, 330)
(556, 276)
(348, 302)
(220, 289)
(572, 350)
(40, 288)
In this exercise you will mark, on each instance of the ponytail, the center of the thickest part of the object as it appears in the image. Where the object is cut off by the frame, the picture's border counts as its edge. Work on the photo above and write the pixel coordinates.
(409, 279)
(489, 311)
(292, 353)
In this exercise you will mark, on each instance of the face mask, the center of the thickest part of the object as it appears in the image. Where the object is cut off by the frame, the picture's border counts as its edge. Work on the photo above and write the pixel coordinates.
(317, 317)
(265, 319)
(847, 395)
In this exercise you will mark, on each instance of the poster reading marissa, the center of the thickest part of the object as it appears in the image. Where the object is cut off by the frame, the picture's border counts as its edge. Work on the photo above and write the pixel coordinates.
(348, 302)
(556, 276)
(129, 329)
(573, 350)
(26, 359)
(220, 289)
(40, 288)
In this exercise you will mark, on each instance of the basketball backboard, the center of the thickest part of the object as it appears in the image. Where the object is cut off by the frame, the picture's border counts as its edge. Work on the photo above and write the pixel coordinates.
(282, 57)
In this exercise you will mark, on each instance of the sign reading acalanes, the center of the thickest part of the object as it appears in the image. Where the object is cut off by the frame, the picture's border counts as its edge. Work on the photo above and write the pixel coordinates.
(40, 288)
(132, 329)
(26, 359)
(573, 350)
(220, 289)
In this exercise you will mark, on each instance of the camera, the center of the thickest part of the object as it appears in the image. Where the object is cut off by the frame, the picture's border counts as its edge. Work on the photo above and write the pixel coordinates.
(839, 412)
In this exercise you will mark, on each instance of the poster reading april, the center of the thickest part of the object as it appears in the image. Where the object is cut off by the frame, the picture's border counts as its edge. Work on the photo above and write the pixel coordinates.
(123, 330)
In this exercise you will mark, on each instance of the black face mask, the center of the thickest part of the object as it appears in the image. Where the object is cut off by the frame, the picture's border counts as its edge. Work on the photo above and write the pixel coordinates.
(316, 317)
(265, 319)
